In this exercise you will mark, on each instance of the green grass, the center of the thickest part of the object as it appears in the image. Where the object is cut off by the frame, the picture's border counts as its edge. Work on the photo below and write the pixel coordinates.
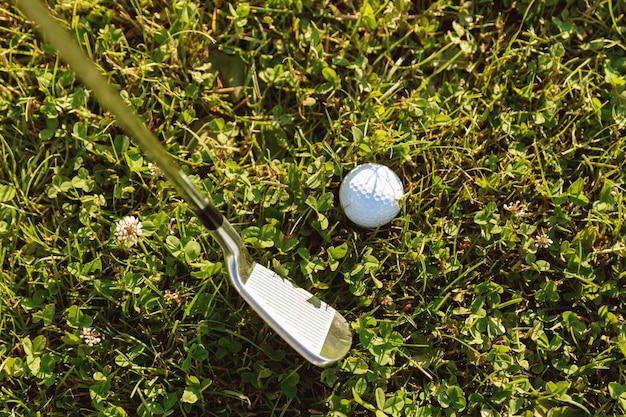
(456, 307)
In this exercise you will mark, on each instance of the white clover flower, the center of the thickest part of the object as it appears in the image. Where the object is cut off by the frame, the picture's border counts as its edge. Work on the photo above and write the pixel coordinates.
(155, 171)
(387, 301)
(128, 230)
(543, 241)
(90, 336)
(518, 209)
(172, 296)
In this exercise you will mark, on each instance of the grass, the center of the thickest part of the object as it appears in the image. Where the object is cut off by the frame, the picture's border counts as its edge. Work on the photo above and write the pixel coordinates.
(469, 303)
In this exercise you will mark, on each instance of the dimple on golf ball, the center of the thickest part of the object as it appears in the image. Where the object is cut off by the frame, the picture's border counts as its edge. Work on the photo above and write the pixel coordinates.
(370, 195)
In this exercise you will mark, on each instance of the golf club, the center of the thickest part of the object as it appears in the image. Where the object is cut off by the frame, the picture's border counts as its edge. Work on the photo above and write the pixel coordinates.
(313, 328)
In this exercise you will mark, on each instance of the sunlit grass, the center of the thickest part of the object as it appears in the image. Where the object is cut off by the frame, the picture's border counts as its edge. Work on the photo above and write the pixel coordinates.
(497, 290)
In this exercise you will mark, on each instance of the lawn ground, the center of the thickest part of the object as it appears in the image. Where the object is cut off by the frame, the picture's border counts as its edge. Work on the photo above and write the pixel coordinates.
(499, 290)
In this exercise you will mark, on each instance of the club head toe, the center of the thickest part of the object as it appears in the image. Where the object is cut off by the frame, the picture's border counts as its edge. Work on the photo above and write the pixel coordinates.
(337, 343)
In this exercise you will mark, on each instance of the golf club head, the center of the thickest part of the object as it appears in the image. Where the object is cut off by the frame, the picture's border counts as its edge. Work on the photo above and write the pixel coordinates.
(309, 325)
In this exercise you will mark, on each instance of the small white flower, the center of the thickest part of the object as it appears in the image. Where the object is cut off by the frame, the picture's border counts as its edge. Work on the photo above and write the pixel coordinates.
(128, 230)
(387, 301)
(172, 296)
(90, 336)
(155, 171)
(517, 209)
(543, 241)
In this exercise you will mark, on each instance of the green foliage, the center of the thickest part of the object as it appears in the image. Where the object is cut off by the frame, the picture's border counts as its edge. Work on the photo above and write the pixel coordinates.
(499, 289)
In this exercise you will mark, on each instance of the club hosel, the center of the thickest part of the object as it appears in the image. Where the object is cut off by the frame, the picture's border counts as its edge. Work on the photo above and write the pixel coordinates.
(236, 254)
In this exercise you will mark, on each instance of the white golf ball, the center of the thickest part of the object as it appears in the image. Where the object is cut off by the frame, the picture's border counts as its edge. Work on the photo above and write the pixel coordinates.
(370, 195)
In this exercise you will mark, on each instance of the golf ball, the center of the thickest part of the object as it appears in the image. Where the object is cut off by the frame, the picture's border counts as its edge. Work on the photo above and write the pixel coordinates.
(370, 195)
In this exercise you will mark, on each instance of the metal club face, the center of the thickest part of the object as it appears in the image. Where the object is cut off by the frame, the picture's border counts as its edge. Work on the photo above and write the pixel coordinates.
(312, 327)
(309, 325)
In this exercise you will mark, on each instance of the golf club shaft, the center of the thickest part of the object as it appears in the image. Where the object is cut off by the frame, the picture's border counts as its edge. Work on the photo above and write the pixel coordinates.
(125, 115)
